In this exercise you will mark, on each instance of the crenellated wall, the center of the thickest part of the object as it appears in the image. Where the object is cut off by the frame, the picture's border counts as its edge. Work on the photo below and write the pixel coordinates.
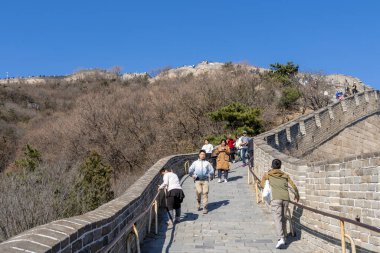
(347, 185)
(301, 136)
(93, 231)
(360, 138)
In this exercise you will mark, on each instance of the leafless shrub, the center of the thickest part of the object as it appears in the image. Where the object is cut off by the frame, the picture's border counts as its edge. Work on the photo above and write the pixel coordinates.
(30, 199)
(313, 91)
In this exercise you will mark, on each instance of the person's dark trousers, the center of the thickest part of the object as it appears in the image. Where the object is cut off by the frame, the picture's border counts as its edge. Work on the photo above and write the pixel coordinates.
(223, 174)
(173, 202)
(232, 154)
(213, 161)
(210, 159)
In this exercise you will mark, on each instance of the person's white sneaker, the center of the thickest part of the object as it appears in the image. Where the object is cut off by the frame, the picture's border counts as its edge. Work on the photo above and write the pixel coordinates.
(280, 243)
(219, 180)
(225, 180)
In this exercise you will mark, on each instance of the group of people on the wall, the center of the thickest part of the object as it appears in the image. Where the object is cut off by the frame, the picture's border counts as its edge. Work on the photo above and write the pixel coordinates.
(202, 171)
(238, 149)
(340, 94)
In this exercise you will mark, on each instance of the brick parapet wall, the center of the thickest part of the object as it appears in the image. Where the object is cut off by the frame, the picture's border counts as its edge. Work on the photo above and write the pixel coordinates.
(304, 134)
(93, 231)
(349, 189)
(347, 186)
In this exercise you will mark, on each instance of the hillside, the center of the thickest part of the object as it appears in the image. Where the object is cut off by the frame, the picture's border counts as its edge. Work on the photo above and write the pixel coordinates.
(129, 121)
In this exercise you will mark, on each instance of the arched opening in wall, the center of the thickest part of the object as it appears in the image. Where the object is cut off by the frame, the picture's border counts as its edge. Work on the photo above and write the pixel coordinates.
(312, 138)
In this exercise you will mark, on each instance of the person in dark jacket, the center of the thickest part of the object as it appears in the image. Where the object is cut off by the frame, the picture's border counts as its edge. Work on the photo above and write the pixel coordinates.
(354, 89)
(278, 181)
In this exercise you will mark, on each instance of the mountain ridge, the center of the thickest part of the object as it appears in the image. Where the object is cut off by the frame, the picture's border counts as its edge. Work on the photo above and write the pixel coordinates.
(204, 67)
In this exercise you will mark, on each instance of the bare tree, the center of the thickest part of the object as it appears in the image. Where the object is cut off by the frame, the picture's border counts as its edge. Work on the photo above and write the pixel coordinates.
(116, 70)
(314, 89)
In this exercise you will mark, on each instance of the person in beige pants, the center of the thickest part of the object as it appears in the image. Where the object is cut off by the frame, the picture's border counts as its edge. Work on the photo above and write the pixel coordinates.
(201, 188)
(278, 181)
(202, 172)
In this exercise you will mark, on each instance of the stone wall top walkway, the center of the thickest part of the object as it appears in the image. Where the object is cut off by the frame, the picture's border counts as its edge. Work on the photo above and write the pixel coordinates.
(235, 223)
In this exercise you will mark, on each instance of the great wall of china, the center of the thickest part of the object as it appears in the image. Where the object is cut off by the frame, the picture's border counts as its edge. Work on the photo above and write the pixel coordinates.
(332, 155)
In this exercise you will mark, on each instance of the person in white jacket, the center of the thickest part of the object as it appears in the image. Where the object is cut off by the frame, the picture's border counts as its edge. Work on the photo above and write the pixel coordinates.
(174, 194)
(238, 146)
(208, 147)
(202, 172)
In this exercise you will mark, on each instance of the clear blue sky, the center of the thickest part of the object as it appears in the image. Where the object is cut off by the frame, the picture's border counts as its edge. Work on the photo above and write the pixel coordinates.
(58, 37)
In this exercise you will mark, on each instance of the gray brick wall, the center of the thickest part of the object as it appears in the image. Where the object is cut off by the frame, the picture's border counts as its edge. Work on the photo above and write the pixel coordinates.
(348, 186)
(310, 131)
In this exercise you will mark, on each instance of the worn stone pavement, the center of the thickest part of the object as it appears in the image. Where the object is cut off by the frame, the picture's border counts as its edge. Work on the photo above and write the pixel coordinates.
(235, 223)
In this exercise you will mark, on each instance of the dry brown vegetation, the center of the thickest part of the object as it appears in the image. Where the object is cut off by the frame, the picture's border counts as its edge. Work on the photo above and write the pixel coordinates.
(130, 124)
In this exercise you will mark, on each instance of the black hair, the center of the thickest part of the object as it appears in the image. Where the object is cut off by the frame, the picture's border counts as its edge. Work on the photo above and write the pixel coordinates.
(202, 151)
(223, 140)
(276, 164)
(163, 170)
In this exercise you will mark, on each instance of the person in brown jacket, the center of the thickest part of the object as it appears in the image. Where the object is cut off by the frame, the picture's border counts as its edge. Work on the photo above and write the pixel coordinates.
(278, 181)
(223, 161)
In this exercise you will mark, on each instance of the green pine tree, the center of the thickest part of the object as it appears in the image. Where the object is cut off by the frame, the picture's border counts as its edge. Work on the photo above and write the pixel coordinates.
(284, 72)
(289, 97)
(94, 186)
(32, 158)
(239, 117)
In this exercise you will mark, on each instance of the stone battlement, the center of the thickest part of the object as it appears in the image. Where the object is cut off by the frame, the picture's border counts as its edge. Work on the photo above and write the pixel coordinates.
(299, 137)
(347, 186)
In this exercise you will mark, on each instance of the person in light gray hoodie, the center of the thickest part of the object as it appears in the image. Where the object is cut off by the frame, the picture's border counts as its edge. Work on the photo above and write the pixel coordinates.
(202, 172)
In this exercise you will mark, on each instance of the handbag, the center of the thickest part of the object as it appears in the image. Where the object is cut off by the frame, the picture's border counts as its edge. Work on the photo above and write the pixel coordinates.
(267, 192)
